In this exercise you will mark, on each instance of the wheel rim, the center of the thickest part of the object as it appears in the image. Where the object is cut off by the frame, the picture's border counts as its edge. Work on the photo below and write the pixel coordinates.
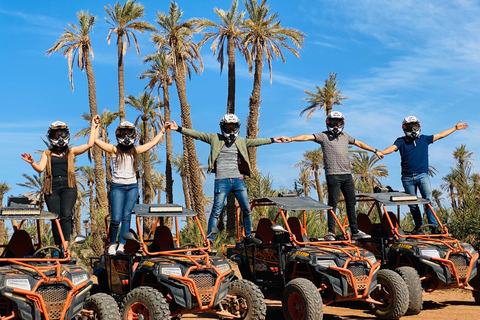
(296, 306)
(384, 296)
(138, 311)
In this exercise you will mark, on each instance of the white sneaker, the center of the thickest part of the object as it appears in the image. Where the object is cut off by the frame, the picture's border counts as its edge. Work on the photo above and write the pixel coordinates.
(120, 251)
(330, 237)
(360, 235)
(112, 249)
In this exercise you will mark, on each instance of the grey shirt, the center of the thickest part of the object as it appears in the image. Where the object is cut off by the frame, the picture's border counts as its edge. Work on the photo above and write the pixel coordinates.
(227, 163)
(335, 152)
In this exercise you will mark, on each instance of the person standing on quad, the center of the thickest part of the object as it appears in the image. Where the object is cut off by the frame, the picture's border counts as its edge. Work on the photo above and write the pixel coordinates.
(60, 187)
(413, 149)
(229, 161)
(338, 172)
(124, 186)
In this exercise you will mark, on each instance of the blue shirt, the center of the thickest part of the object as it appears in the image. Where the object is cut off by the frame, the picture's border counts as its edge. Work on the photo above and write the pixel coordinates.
(414, 154)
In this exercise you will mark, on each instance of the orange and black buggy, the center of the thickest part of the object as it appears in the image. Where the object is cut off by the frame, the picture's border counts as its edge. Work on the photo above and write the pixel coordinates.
(305, 272)
(43, 282)
(428, 260)
(158, 277)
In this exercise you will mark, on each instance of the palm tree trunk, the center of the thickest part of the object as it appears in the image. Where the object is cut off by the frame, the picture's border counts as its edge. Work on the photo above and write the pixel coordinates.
(3, 231)
(254, 106)
(193, 167)
(318, 186)
(147, 188)
(169, 146)
(121, 82)
(108, 163)
(102, 200)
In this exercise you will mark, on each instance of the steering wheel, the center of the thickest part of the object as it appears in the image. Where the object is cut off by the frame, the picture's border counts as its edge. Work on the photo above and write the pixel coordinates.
(191, 246)
(36, 253)
(427, 228)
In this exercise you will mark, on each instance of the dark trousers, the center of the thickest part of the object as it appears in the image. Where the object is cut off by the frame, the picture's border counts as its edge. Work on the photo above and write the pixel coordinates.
(344, 182)
(61, 202)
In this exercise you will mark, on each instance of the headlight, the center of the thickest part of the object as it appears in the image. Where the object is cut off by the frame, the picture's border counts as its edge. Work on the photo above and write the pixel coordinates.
(79, 278)
(469, 248)
(23, 284)
(175, 271)
(432, 253)
(224, 267)
(326, 263)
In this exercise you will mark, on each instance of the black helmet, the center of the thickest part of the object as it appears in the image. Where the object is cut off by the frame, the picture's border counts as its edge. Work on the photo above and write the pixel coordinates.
(335, 122)
(126, 133)
(58, 134)
(230, 126)
(411, 126)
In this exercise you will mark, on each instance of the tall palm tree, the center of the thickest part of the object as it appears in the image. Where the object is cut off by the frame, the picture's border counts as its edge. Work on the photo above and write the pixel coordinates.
(325, 98)
(158, 182)
(264, 38)
(366, 172)
(147, 107)
(76, 45)
(4, 188)
(305, 180)
(313, 159)
(229, 31)
(177, 37)
(161, 78)
(124, 20)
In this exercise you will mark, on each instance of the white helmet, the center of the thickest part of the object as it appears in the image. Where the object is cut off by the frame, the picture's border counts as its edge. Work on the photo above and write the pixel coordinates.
(230, 126)
(411, 126)
(335, 122)
(126, 133)
(58, 134)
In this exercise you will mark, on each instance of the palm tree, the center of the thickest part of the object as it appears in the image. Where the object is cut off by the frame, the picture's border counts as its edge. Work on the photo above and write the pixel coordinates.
(177, 37)
(366, 172)
(158, 182)
(123, 20)
(437, 196)
(230, 31)
(305, 180)
(147, 107)
(4, 188)
(313, 159)
(264, 37)
(76, 45)
(179, 163)
(325, 98)
(160, 77)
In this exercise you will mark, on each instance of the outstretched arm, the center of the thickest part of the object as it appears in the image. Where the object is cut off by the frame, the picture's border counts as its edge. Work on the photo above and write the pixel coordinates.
(366, 147)
(390, 149)
(302, 137)
(150, 144)
(91, 138)
(443, 134)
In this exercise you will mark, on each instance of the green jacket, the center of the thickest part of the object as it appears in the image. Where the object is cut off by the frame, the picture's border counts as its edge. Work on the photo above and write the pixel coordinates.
(217, 141)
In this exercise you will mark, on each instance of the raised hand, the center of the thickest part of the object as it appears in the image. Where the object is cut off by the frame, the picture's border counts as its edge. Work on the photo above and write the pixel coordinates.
(171, 125)
(461, 125)
(27, 157)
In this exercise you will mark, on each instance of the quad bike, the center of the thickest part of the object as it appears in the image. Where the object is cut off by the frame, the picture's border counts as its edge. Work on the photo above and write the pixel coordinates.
(427, 259)
(40, 282)
(306, 273)
(157, 277)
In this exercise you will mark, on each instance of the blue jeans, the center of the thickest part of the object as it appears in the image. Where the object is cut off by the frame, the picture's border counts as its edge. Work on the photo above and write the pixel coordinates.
(122, 200)
(222, 189)
(421, 182)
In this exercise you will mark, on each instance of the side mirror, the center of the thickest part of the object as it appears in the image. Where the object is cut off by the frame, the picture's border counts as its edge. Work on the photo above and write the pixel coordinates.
(278, 228)
(129, 236)
(79, 239)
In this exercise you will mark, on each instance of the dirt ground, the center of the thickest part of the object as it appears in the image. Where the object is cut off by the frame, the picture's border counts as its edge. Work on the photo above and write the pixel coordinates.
(450, 304)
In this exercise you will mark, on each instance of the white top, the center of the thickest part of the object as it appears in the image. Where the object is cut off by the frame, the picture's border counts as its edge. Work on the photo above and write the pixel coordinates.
(123, 171)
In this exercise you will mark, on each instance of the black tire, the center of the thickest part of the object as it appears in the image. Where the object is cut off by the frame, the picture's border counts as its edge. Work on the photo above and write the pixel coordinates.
(392, 292)
(146, 302)
(414, 285)
(301, 300)
(104, 307)
(249, 302)
(476, 296)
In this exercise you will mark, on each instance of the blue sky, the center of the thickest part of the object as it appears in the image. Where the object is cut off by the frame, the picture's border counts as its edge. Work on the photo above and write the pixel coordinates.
(392, 59)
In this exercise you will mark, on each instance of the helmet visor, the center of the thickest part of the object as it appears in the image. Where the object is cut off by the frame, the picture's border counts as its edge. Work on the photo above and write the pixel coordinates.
(412, 127)
(334, 122)
(125, 133)
(58, 133)
(230, 127)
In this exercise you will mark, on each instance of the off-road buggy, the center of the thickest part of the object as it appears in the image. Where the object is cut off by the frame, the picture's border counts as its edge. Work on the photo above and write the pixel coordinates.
(306, 273)
(430, 260)
(41, 282)
(158, 277)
